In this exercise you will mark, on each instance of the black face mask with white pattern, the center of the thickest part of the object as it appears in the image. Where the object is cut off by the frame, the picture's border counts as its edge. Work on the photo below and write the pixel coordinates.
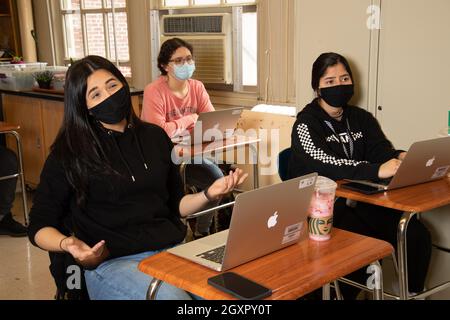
(337, 96)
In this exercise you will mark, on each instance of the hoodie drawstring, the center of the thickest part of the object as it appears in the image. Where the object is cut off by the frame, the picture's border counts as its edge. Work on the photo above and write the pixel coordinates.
(121, 155)
(139, 147)
(141, 153)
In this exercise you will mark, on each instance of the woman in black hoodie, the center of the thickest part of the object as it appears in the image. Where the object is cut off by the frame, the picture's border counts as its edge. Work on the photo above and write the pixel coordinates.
(110, 180)
(340, 141)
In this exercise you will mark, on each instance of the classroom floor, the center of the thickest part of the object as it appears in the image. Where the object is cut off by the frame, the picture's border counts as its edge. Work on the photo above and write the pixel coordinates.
(24, 273)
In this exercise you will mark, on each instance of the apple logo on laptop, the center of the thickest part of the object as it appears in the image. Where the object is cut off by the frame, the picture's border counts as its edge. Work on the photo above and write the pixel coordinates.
(430, 162)
(272, 222)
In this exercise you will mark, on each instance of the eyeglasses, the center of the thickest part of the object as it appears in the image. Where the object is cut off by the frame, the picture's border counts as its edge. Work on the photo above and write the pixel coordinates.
(180, 61)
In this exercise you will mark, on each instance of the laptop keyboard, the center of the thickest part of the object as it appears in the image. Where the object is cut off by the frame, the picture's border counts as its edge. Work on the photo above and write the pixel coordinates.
(214, 255)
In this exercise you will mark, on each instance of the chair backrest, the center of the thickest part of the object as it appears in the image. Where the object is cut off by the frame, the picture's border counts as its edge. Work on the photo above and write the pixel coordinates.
(275, 131)
(283, 160)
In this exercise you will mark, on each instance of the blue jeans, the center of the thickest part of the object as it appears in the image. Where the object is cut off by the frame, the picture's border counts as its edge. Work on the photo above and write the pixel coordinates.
(120, 279)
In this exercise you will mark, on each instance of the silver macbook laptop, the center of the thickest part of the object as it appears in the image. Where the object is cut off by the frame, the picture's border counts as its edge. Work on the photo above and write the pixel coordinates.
(425, 161)
(211, 126)
(263, 221)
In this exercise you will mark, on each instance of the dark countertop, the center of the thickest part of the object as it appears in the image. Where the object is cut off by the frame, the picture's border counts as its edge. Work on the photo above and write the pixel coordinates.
(54, 97)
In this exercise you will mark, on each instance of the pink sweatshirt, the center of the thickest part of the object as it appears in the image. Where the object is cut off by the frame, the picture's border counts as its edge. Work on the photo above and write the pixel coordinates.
(163, 108)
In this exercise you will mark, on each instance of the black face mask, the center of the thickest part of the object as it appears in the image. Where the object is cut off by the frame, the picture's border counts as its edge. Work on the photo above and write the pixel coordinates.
(337, 96)
(114, 109)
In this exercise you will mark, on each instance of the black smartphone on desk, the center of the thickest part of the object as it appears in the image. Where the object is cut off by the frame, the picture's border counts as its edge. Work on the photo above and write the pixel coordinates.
(362, 188)
(239, 286)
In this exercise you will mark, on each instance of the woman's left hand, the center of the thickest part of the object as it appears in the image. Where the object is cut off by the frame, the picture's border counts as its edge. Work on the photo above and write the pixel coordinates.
(226, 184)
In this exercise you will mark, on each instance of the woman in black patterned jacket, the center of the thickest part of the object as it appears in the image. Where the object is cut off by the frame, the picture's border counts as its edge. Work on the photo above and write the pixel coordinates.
(340, 141)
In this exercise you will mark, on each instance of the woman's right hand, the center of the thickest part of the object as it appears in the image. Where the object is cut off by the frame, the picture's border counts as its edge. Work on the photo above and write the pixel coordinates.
(86, 256)
(389, 168)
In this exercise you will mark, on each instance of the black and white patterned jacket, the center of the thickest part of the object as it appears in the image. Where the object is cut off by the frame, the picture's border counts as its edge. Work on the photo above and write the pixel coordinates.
(353, 148)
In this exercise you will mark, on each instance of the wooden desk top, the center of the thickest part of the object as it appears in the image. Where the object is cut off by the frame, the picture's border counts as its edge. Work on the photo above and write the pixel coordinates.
(216, 146)
(417, 198)
(4, 126)
(290, 273)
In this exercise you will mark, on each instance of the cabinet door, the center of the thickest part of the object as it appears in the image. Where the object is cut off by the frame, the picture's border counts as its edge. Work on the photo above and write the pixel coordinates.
(413, 83)
(26, 112)
(135, 102)
(52, 116)
(10, 37)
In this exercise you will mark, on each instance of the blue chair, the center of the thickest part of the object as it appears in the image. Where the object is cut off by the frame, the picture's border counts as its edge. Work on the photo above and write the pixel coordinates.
(283, 161)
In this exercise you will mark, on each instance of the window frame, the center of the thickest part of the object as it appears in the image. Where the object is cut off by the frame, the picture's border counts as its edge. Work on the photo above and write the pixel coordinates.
(104, 11)
(223, 3)
(210, 9)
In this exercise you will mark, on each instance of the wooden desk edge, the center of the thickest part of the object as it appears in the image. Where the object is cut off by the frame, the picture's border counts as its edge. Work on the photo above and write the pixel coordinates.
(375, 253)
(5, 126)
(381, 199)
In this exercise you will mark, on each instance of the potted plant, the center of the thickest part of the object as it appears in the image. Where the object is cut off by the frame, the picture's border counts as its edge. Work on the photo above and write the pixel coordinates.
(44, 79)
(17, 60)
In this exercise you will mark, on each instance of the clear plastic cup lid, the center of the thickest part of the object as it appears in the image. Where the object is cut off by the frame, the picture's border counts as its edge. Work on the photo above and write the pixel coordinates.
(325, 183)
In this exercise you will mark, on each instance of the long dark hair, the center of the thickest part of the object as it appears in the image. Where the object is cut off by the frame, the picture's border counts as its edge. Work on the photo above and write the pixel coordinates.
(321, 65)
(77, 145)
(167, 50)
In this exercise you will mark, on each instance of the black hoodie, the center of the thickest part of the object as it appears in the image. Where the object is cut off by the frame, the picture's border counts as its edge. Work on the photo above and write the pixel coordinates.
(322, 144)
(131, 216)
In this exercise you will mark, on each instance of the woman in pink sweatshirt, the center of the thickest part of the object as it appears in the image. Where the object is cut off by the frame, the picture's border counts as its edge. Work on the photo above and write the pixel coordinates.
(173, 102)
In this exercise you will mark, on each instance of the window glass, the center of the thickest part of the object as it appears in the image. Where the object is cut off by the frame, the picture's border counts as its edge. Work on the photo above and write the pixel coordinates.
(95, 34)
(121, 36)
(92, 4)
(249, 49)
(70, 4)
(74, 36)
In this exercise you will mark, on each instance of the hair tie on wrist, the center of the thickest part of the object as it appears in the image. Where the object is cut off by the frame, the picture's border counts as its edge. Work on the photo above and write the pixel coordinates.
(60, 244)
(205, 192)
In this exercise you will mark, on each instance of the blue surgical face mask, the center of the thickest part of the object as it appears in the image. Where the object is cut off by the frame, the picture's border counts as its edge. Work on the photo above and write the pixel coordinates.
(184, 71)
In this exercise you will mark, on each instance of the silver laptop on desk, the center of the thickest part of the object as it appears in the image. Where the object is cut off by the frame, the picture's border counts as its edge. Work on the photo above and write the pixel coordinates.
(263, 221)
(211, 126)
(425, 161)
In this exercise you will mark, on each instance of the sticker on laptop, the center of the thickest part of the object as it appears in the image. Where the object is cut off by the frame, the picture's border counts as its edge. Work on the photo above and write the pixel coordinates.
(291, 237)
(440, 172)
(292, 233)
(293, 228)
(307, 182)
(235, 112)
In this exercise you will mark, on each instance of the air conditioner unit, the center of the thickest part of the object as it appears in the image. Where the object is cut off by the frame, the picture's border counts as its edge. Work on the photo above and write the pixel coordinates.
(210, 36)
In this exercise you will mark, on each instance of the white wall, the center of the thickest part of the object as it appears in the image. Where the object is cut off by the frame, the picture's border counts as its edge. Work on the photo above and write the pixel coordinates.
(332, 26)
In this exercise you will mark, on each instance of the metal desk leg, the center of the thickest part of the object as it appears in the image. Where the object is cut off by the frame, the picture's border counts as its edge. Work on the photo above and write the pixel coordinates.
(326, 292)
(402, 254)
(22, 177)
(254, 150)
(378, 290)
(183, 176)
(394, 261)
(153, 289)
(338, 290)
